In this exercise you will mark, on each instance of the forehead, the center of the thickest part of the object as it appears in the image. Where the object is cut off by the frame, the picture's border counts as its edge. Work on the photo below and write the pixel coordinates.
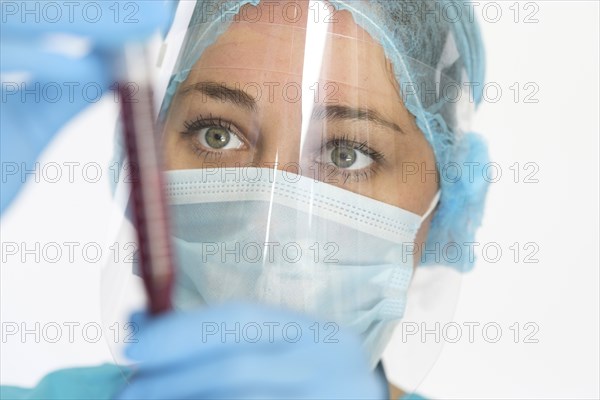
(287, 38)
(299, 14)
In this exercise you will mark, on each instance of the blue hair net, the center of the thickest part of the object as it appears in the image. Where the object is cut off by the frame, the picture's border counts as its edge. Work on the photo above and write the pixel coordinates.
(432, 45)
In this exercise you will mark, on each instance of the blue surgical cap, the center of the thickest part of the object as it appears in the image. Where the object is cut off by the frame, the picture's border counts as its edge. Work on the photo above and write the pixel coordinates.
(437, 54)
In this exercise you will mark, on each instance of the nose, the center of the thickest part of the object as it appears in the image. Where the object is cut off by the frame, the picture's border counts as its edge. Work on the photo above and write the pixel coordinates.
(279, 144)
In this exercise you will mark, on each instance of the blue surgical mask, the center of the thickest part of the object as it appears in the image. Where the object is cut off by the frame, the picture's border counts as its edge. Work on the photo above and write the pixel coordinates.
(268, 236)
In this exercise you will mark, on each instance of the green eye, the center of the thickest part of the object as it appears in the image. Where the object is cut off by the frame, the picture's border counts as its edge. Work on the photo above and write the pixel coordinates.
(217, 137)
(343, 156)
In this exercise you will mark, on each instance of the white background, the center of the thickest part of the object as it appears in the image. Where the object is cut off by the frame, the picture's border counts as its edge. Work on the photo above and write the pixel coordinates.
(560, 294)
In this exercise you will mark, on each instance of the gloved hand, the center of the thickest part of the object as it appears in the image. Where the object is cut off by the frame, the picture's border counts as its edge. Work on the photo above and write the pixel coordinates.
(57, 85)
(247, 351)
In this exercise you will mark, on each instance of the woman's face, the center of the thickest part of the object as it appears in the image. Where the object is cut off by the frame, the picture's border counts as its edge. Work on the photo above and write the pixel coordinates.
(252, 99)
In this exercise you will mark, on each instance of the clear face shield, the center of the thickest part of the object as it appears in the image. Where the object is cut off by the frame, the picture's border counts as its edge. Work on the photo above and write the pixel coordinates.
(295, 175)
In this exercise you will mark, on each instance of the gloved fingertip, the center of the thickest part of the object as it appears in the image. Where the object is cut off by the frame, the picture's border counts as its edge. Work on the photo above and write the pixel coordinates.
(150, 331)
(132, 351)
(139, 318)
(170, 9)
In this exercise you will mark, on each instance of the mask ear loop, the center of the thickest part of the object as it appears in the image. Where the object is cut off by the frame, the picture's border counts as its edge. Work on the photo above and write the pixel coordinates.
(432, 206)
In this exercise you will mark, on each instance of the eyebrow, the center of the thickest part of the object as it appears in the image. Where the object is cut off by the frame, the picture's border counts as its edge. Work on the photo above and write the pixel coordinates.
(337, 112)
(220, 91)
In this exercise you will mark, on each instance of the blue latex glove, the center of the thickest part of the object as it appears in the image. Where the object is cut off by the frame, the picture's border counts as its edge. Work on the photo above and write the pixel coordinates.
(184, 355)
(55, 85)
(93, 383)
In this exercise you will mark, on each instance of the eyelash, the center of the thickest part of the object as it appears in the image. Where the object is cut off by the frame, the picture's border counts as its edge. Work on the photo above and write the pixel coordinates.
(362, 146)
(201, 122)
(193, 126)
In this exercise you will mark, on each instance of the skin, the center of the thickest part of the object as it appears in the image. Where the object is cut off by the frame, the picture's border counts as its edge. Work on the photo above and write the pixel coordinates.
(358, 78)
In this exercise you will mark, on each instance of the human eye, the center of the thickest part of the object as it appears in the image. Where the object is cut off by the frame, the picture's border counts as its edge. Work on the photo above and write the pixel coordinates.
(213, 136)
(351, 160)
